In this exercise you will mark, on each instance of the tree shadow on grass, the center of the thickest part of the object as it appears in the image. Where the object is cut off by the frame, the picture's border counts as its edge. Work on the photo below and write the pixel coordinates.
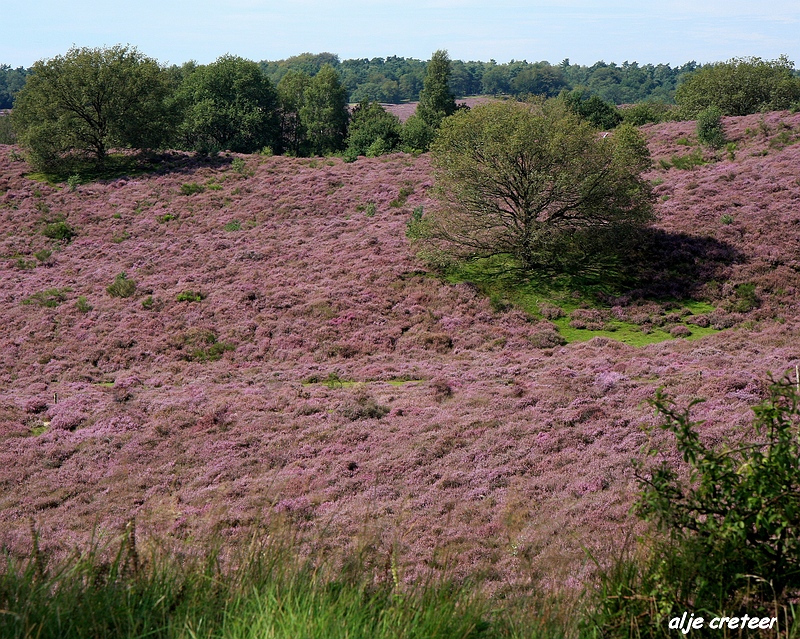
(666, 265)
(651, 264)
(131, 164)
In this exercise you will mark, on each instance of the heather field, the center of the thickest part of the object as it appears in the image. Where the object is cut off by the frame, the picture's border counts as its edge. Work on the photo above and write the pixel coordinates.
(276, 355)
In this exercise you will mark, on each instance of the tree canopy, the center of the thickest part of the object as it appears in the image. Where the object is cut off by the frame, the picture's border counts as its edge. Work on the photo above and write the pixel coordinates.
(89, 101)
(740, 86)
(537, 184)
(435, 100)
(324, 112)
(229, 104)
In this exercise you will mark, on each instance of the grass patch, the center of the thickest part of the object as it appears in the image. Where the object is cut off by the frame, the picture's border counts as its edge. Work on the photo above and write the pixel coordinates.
(270, 589)
(50, 298)
(557, 299)
(79, 171)
(59, 231)
(190, 296)
(190, 188)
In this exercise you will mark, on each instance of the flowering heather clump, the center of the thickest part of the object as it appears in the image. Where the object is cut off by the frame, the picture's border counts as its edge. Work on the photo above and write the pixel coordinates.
(202, 418)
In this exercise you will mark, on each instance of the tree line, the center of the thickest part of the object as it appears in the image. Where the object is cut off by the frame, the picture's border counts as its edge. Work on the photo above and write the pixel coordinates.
(87, 101)
(396, 79)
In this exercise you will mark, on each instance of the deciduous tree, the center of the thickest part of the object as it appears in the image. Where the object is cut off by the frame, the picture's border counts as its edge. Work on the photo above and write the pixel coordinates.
(91, 100)
(324, 112)
(537, 185)
(229, 104)
(740, 86)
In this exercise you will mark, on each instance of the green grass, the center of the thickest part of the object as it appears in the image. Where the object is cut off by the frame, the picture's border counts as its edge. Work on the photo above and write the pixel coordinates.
(505, 292)
(84, 171)
(263, 591)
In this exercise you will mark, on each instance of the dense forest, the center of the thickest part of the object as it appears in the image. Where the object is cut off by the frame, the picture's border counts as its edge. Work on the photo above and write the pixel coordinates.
(397, 79)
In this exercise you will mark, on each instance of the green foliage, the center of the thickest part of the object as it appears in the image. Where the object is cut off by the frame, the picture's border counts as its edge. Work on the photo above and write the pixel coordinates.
(233, 225)
(59, 230)
(592, 108)
(7, 133)
(435, 100)
(746, 298)
(43, 255)
(87, 101)
(726, 219)
(709, 128)
(733, 523)
(539, 78)
(647, 112)
(685, 162)
(740, 86)
(82, 304)
(414, 228)
(324, 114)
(11, 82)
(49, 298)
(73, 181)
(402, 197)
(122, 286)
(291, 98)
(373, 131)
(417, 134)
(203, 346)
(229, 104)
(190, 188)
(535, 183)
(190, 296)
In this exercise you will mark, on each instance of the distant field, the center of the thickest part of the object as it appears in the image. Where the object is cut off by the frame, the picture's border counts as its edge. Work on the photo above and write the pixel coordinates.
(406, 110)
(282, 354)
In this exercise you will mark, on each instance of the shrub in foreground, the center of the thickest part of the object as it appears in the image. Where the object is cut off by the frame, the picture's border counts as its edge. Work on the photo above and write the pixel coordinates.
(729, 523)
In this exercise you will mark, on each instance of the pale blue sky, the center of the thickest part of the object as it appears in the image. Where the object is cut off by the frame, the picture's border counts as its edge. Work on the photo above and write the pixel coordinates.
(670, 31)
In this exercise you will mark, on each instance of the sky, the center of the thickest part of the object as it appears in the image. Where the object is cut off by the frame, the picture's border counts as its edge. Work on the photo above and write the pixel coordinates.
(585, 31)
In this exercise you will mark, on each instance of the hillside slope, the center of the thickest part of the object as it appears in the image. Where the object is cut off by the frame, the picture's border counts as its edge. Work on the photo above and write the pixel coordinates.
(443, 428)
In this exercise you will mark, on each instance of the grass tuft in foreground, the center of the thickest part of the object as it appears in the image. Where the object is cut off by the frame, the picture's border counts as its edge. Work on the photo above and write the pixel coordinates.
(266, 591)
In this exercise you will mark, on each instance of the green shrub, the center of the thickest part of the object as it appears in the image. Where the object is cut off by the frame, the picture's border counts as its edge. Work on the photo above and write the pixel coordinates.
(202, 346)
(686, 162)
(7, 135)
(59, 230)
(371, 209)
(730, 525)
(739, 87)
(233, 225)
(73, 181)
(709, 128)
(49, 298)
(190, 188)
(726, 219)
(414, 229)
(82, 304)
(122, 286)
(402, 197)
(190, 296)
(646, 112)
